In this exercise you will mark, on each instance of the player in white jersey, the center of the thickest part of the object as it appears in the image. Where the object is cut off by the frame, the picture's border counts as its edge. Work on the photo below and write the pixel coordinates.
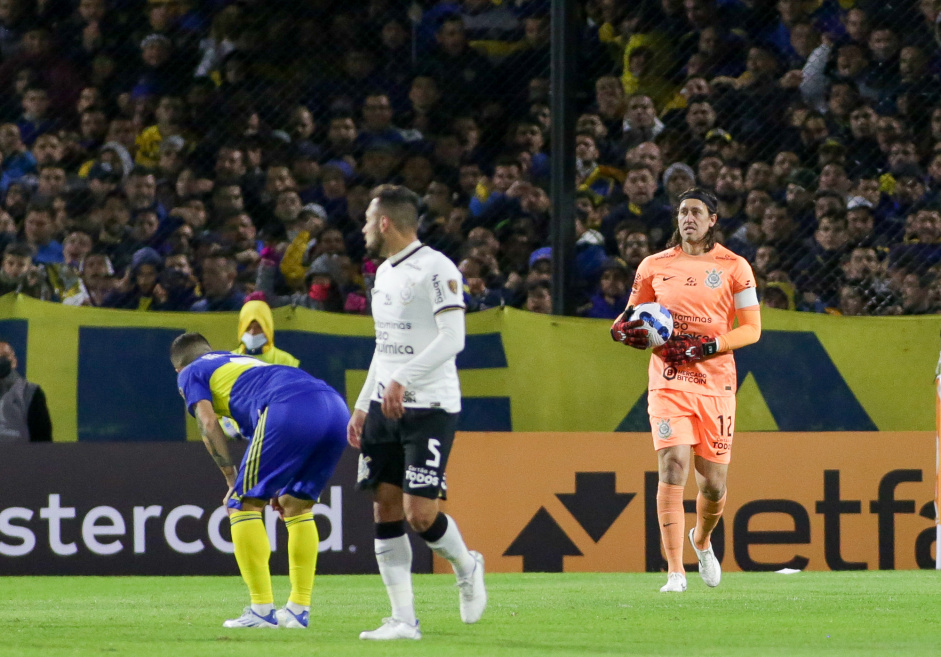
(407, 412)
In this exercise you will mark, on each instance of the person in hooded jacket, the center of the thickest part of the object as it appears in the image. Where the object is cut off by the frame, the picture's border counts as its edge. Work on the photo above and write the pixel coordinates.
(256, 335)
(256, 339)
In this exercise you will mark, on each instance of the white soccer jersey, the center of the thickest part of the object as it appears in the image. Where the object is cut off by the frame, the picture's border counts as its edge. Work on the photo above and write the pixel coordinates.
(411, 289)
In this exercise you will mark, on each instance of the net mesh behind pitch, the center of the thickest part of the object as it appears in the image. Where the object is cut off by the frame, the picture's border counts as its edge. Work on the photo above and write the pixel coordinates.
(250, 135)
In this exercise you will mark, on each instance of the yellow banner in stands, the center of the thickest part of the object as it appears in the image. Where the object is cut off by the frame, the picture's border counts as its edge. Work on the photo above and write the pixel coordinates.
(107, 377)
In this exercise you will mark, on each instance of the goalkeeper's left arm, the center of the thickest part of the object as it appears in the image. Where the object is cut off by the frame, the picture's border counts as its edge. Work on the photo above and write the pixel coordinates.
(747, 332)
(685, 350)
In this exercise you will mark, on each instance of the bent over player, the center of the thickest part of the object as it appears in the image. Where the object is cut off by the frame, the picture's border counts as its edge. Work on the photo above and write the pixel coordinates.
(298, 428)
(692, 380)
(406, 414)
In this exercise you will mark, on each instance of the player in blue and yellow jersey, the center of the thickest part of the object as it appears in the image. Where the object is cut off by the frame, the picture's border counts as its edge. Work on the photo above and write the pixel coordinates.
(298, 428)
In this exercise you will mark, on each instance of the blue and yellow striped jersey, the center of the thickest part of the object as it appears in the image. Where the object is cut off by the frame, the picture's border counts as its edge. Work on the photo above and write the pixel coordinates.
(241, 387)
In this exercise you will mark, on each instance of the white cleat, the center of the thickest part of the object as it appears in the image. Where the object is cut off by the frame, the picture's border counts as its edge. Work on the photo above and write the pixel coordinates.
(473, 591)
(250, 619)
(392, 629)
(288, 619)
(709, 568)
(676, 583)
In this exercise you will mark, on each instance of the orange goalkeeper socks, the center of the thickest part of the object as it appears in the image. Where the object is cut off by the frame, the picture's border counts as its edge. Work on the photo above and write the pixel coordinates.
(707, 517)
(672, 524)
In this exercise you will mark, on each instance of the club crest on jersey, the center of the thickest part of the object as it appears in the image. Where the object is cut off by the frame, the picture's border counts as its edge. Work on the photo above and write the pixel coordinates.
(664, 430)
(407, 293)
(713, 279)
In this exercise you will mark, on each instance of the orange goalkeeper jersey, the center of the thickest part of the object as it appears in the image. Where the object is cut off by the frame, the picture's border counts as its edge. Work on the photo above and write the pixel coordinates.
(702, 293)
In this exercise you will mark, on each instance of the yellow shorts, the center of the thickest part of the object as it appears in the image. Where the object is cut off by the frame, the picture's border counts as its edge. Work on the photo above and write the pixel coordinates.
(682, 418)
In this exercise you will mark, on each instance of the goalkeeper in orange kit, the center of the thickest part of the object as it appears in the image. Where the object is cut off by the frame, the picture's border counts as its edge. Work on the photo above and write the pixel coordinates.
(692, 380)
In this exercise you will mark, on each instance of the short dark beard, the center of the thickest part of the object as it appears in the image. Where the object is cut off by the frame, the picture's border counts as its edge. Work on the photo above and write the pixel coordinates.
(376, 250)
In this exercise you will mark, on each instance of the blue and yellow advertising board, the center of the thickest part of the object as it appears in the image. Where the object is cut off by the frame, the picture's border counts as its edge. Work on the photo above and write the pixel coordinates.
(107, 375)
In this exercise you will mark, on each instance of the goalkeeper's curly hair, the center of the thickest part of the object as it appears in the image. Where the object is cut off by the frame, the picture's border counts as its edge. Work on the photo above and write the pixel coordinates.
(707, 197)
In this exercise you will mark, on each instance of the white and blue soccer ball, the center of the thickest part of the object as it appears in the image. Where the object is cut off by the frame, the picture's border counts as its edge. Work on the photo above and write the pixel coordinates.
(657, 320)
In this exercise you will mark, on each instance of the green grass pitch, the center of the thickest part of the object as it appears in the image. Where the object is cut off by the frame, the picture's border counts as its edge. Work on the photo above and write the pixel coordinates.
(862, 613)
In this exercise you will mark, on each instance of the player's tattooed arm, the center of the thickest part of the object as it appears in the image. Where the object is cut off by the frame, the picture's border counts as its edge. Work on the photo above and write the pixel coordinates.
(214, 439)
(221, 460)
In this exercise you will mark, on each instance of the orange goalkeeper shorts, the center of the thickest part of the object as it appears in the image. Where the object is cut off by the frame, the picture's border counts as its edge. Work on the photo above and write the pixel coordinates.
(703, 421)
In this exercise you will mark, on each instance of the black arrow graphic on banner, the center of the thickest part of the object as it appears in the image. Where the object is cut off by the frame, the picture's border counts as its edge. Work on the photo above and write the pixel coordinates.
(595, 504)
(542, 544)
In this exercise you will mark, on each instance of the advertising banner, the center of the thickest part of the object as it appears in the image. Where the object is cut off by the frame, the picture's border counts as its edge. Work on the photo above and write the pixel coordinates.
(155, 509)
(573, 502)
(586, 502)
(107, 376)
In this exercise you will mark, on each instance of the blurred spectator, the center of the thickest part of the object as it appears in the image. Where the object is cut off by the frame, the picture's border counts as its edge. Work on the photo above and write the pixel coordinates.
(539, 297)
(478, 278)
(64, 277)
(461, 70)
(640, 121)
(34, 121)
(17, 160)
(817, 273)
(39, 231)
(217, 281)
(377, 121)
(324, 285)
(169, 115)
(915, 295)
(24, 416)
(641, 204)
(611, 298)
(852, 302)
(862, 272)
(95, 283)
(18, 274)
(677, 179)
(177, 288)
(136, 290)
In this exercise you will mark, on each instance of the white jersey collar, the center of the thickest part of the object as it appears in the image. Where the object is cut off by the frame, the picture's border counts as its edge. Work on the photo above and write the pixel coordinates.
(407, 252)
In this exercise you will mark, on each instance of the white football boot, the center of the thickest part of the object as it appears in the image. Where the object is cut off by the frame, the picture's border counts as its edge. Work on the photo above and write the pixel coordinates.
(250, 619)
(288, 619)
(676, 583)
(392, 629)
(473, 591)
(709, 568)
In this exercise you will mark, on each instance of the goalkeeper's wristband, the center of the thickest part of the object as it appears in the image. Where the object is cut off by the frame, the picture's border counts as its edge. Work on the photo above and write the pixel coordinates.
(710, 348)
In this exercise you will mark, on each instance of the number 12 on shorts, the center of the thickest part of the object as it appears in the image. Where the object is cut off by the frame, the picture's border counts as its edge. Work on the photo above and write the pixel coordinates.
(725, 421)
(435, 460)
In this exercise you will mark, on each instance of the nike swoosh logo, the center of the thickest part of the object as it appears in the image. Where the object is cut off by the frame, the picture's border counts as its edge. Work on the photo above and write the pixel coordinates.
(669, 523)
(721, 453)
(666, 278)
(425, 485)
(383, 552)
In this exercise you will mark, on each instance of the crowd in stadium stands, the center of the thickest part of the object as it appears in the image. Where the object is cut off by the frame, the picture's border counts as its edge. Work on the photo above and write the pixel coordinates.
(187, 155)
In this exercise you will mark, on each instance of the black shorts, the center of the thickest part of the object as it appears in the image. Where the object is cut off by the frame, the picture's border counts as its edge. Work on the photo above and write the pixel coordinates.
(411, 452)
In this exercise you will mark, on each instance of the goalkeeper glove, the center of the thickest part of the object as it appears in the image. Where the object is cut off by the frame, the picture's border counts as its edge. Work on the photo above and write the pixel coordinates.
(627, 332)
(686, 349)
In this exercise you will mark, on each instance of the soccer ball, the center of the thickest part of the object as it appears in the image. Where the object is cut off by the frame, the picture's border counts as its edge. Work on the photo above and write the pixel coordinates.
(657, 321)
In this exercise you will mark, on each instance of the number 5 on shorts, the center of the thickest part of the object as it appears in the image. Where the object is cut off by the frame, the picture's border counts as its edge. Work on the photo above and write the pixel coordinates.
(435, 460)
